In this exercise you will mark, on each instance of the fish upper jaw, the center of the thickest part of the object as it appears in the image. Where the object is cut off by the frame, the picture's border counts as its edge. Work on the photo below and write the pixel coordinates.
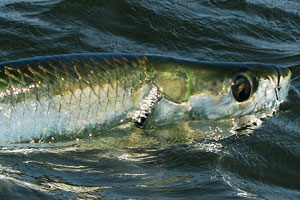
(284, 78)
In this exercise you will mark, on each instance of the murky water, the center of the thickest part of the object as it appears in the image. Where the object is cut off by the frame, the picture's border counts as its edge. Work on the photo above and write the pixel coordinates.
(174, 162)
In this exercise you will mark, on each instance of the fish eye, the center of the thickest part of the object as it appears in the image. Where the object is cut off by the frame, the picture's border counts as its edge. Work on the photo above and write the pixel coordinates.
(241, 88)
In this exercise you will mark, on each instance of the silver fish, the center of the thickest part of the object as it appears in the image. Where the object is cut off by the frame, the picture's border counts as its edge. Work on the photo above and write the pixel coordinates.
(72, 95)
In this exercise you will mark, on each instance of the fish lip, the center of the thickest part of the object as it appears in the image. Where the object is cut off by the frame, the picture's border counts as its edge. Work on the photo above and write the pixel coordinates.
(283, 80)
(278, 87)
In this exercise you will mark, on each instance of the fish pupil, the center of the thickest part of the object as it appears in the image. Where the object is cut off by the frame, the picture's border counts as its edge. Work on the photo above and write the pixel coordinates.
(242, 94)
(241, 88)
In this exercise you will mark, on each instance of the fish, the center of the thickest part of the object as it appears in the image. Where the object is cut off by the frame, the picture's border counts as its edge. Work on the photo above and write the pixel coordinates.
(75, 94)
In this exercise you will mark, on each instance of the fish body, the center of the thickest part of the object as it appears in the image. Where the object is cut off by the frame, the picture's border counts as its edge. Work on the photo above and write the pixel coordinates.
(79, 93)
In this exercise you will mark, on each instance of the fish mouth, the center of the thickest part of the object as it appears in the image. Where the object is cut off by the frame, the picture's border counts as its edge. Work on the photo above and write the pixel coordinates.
(283, 83)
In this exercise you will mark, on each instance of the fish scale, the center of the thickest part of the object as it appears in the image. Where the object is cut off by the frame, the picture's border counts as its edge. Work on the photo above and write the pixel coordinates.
(67, 86)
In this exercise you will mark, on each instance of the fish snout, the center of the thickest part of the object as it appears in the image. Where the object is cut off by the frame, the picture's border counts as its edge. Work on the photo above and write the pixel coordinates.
(284, 78)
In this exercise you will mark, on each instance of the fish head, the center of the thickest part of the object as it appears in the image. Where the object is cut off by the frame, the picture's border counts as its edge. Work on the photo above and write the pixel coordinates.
(233, 90)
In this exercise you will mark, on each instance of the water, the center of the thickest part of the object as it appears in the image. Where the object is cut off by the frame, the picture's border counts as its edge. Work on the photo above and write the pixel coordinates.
(173, 163)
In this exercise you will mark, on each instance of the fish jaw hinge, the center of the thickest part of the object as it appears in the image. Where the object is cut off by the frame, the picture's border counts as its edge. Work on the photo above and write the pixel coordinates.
(146, 107)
